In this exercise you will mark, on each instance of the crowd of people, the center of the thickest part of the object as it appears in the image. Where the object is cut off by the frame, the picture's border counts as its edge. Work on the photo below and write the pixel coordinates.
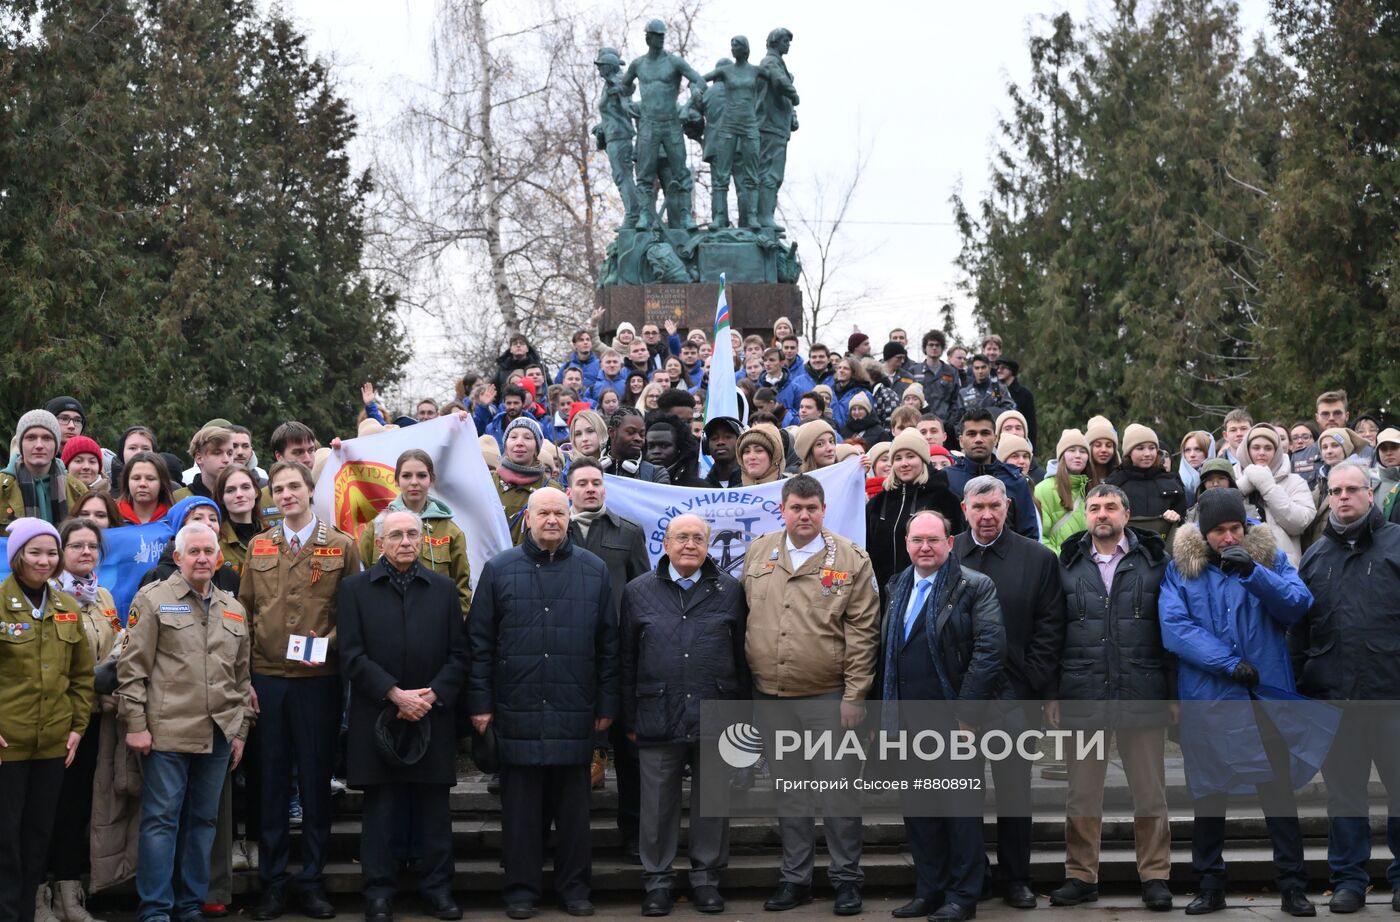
(270, 659)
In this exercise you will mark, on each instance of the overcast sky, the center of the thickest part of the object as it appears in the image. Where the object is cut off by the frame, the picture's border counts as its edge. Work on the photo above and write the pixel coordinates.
(923, 83)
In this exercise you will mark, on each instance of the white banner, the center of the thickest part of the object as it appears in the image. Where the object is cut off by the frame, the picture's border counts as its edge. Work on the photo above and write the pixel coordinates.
(737, 515)
(358, 481)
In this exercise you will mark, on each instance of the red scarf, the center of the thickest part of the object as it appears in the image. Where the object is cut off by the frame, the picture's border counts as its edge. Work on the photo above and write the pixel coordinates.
(132, 518)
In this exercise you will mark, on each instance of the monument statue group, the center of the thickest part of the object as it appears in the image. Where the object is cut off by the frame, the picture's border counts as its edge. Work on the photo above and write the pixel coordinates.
(743, 116)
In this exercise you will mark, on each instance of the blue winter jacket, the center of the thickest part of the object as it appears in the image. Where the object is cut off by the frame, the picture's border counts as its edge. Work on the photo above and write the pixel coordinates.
(1211, 621)
(591, 369)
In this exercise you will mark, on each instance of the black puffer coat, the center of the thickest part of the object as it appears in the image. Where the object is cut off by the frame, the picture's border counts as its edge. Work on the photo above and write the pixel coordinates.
(680, 650)
(1348, 645)
(1151, 492)
(543, 652)
(887, 521)
(1113, 643)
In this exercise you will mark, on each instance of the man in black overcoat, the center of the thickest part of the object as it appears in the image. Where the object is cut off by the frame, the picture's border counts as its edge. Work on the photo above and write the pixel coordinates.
(403, 647)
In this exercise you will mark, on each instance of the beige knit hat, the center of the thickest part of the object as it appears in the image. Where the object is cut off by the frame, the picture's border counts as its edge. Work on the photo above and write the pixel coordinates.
(1100, 428)
(911, 440)
(807, 435)
(1135, 435)
(1009, 444)
(1070, 438)
(1011, 414)
(860, 397)
(914, 388)
(878, 451)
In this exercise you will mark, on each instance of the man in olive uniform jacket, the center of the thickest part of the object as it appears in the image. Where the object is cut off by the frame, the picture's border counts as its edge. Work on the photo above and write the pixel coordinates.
(183, 695)
(813, 636)
(289, 588)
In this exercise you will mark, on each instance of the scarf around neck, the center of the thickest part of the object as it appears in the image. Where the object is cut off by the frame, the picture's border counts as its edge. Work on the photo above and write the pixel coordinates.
(519, 475)
(585, 520)
(400, 579)
(81, 588)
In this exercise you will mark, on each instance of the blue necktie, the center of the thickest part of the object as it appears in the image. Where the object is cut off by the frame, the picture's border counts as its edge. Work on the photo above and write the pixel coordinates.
(920, 596)
(685, 582)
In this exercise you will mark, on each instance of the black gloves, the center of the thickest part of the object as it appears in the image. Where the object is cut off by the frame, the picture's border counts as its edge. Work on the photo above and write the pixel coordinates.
(1236, 560)
(1246, 674)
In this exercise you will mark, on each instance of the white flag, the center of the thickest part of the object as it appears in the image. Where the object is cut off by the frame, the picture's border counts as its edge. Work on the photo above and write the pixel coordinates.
(358, 481)
(737, 515)
(722, 396)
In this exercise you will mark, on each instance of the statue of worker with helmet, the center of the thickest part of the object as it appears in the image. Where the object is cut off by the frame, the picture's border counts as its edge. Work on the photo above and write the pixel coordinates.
(614, 132)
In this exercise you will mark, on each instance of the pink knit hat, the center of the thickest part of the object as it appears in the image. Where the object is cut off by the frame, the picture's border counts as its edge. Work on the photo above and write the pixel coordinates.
(24, 530)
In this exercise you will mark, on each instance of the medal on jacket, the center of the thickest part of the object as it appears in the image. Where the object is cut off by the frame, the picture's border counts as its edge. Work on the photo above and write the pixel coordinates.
(828, 562)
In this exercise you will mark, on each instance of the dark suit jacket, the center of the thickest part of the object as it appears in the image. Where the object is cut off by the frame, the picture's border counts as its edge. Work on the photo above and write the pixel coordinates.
(621, 545)
(417, 640)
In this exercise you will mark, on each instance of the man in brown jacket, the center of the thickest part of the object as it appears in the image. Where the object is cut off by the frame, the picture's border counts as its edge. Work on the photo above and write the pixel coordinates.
(184, 697)
(289, 587)
(813, 636)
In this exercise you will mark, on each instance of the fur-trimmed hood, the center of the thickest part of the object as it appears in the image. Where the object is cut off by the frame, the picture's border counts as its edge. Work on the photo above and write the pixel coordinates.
(1191, 553)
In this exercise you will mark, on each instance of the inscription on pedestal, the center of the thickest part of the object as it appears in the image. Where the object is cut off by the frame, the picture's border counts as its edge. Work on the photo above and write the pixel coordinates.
(665, 302)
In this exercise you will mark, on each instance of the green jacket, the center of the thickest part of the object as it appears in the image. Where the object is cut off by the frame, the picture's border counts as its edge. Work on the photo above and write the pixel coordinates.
(514, 500)
(1056, 522)
(12, 497)
(47, 666)
(444, 546)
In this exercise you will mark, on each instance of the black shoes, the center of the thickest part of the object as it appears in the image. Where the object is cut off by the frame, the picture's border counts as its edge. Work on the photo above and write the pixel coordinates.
(847, 900)
(1296, 903)
(952, 912)
(379, 911)
(1347, 899)
(707, 899)
(1073, 892)
(520, 911)
(1209, 900)
(788, 896)
(578, 907)
(443, 906)
(1019, 896)
(1156, 895)
(657, 903)
(270, 905)
(914, 909)
(315, 904)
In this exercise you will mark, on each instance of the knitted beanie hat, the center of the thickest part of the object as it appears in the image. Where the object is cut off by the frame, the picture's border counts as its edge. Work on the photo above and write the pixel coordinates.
(1137, 434)
(24, 530)
(80, 445)
(42, 419)
(915, 388)
(1099, 427)
(1011, 414)
(528, 424)
(1218, 506)
(1009, 444)
(860, 397)
(911, 440)
(807, 435)
(1070, 438)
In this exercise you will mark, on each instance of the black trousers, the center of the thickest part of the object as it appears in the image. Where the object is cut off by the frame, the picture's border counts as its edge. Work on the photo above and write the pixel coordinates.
(298, 725)
(530, 795)
(1011, 778)
(1280, 818)
(247, 801)
(429, 803)
(70, 852)
(629, 782)
(28, 807)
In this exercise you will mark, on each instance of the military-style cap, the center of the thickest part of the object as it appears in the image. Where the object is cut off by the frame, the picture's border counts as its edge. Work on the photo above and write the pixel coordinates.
(608, 56)
(656, 26)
